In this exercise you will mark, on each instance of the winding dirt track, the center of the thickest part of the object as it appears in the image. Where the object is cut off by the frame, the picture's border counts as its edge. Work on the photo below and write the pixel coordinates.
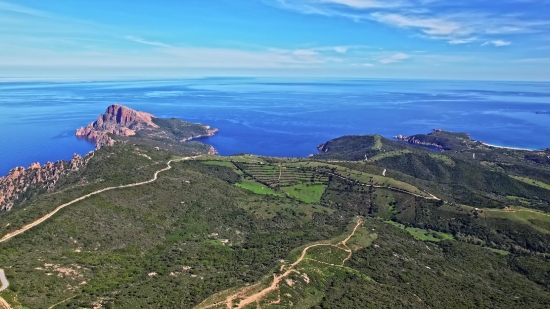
(51, 214)
(3, 281)
(3, 303)
(3, 285)
(257, 297)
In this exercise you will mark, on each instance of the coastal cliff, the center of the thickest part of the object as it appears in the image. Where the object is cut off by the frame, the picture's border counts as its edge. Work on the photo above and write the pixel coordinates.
(117, 120)
(117, 124)
(442, 140)
(120, 121)
(418, 141)
(20, 179)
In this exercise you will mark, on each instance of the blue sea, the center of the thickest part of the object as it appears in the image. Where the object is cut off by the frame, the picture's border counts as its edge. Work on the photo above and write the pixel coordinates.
(273, 116)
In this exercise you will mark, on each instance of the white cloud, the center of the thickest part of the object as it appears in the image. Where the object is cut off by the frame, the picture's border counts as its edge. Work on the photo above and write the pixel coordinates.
(367, 64)
(434, 19)
(14, 8)
(398, 57)
(462, 41)
(341, 49)
(163, 56)
(305, 53)
(145, 42)
(365, 4)
(497, 43)
(431, 26)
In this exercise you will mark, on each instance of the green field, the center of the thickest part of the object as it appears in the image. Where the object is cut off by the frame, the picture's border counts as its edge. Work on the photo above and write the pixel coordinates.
(268, 207)
(306, 193)
(282, 175)
(256, 187)
(366, 178)
(388, 154)
(422, 234)
(238, 158)
(219, 163)
(520, 214)
(443, 158)
(533, 182)
(498, 251)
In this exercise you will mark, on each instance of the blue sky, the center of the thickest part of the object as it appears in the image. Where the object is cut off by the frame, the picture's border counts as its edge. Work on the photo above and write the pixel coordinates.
(441, 39)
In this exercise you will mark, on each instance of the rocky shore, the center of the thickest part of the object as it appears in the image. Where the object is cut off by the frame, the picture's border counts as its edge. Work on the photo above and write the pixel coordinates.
(117, 120)
(20, 179)
(122, 121)
(416, 141)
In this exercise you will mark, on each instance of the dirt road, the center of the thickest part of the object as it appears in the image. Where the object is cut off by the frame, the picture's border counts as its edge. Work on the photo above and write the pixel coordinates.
(274, 286)
(4, 304)
(3, 285)
(3, 281)
(51, 214)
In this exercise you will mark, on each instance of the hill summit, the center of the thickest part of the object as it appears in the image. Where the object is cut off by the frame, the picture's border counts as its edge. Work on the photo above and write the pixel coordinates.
(117, 120)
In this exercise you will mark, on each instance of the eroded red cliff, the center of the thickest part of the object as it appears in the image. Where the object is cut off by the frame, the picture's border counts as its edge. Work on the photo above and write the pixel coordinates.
(117, 120)
(19, 179)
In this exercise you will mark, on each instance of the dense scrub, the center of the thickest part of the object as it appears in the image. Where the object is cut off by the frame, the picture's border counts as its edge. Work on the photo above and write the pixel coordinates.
(219, 223)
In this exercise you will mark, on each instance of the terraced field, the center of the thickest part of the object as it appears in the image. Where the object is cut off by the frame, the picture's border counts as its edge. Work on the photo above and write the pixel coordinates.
(281, 175)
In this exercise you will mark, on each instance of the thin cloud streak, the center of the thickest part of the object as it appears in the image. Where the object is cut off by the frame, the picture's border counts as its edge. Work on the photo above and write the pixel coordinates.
(497, 43)
(145, 42)
(398, 57)
(424, 16)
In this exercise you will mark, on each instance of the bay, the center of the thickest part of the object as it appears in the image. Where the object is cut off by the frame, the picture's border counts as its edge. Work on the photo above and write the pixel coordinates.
(273, 116)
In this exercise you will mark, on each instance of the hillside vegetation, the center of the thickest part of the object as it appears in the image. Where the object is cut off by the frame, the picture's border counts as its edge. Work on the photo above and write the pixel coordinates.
(406, 228)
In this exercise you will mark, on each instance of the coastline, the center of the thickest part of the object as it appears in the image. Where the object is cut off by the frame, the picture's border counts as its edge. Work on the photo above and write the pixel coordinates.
(506, 147)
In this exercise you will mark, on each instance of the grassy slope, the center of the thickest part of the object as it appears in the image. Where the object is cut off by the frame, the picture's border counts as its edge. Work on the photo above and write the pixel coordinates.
(200, 235)
(256, 187)
(533, 182)
(114, 240)
(306, 193)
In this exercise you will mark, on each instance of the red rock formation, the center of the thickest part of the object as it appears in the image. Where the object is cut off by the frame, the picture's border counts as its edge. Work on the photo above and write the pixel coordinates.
(212, 151)
(20, 179)
(117, 120)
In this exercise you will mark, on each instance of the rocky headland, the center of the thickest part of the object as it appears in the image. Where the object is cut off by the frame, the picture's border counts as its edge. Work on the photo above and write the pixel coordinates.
(121, 121)
(117, 120)
(416, 141)
(20, 179)
(440, 139)
(118, 123)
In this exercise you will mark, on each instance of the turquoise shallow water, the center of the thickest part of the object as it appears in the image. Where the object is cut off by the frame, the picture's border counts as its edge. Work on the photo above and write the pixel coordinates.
(279, 117)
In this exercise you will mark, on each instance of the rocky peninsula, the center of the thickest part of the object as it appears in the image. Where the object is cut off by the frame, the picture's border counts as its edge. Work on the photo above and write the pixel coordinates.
(440, 139)
(118, 124)
(122, 121)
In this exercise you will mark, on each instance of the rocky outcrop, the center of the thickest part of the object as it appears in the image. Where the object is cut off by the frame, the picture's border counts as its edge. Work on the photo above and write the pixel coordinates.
(208, 133)
(414, 140)
(442, 140)
(117, 120)
(19, 179)
(212, 151)
(323, 147)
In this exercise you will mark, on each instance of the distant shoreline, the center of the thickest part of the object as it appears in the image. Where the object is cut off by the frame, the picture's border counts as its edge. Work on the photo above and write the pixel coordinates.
(505, 147)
